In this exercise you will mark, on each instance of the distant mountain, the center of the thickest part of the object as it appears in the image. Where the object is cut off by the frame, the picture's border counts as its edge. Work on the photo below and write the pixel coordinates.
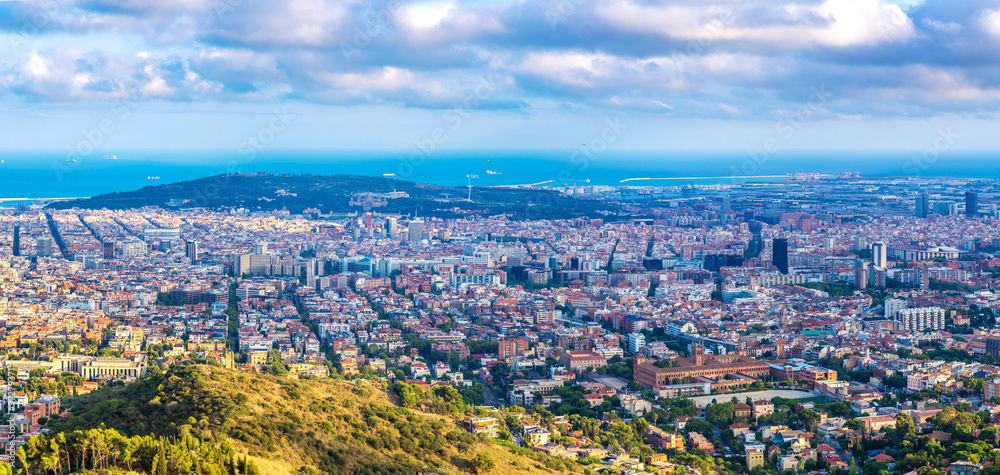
(206, 419)
(345, 193)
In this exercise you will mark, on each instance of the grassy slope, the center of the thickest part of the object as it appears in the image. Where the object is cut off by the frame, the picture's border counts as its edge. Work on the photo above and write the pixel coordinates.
(287, 424)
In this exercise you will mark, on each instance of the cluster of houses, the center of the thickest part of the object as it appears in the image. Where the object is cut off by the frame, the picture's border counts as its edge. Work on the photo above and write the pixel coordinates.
(25, 419)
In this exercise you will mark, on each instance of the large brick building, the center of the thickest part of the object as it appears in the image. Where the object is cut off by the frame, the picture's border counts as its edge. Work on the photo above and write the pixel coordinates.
(512, 347)
(715, 367)
(574, 360)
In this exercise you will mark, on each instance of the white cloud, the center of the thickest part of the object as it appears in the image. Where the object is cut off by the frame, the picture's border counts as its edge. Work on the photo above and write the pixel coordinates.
(791, 25)
(387, 78)
(941, 26)
(661, 104)
(731, 110)
(302, 23)
(589, 70)
(989, 21)
(443, 22)
(85, 76)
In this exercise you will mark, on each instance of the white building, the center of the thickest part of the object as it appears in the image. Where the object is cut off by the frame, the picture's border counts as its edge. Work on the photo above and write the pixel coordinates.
(892, 306)
(880, 254)
(923, 319)
(635, 342)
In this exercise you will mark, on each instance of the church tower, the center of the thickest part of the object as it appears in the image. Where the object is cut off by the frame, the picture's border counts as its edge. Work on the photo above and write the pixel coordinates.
(698, 353)
(637, 360)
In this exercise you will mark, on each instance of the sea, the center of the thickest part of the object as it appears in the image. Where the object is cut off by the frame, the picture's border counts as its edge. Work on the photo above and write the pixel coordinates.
(31, 175)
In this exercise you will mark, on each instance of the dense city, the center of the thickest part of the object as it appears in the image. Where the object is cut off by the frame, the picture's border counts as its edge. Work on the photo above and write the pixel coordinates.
(835, 325)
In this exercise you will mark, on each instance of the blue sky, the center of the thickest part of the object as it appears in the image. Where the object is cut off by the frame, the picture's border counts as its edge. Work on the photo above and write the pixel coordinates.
(387, 74)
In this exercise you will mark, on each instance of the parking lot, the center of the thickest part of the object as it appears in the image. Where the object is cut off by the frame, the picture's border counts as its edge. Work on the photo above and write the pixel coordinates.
(702, 401)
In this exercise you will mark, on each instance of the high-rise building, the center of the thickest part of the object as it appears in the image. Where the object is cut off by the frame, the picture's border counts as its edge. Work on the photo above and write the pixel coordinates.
(43, 247)
(727, 203)
(876, 276)
(860, 242)
(108, 249)
(510, 347)
(314, 268)
(892, 306)
(416, 230)
(256, 264)
(779, 254)
(861, 278)
(944, 208)
(635, 342)
(921, 206)
(390, 228)
(971, 203)
(920, 319)
(17, 241)
(191, 250)
(880, 254)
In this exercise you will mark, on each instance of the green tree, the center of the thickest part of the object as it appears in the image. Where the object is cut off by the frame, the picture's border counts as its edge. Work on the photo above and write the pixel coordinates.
(160, 465)
(482, 463)
(905, 427)
(641, 425)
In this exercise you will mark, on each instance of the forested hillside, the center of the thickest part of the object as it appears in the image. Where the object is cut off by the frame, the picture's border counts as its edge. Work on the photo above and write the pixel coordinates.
(334, 194)
(209, 420)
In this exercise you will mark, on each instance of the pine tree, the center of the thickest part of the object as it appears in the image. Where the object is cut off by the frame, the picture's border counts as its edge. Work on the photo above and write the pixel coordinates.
(21, 459)
(250, 468)
(160, 466)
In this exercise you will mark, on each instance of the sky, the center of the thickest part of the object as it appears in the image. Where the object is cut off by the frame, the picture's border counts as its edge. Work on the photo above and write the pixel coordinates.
(97, 76)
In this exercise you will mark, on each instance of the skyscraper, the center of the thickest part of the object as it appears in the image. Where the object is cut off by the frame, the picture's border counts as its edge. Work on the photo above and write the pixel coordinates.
(861, 278)
(860, 243)
(17, 241)
(108, 249)
(391, 229)
(191, 250)
(971, 203)
(43, 247)
(416, 230)
(779, 254)
(880, 254)
(921, 206)
(727, 203)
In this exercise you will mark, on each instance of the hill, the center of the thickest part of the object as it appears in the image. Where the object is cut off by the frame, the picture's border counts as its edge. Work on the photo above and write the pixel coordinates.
(334, 194)
(205, 419)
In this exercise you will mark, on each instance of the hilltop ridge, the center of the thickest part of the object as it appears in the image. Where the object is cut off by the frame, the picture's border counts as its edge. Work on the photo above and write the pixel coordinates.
(346, 193)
